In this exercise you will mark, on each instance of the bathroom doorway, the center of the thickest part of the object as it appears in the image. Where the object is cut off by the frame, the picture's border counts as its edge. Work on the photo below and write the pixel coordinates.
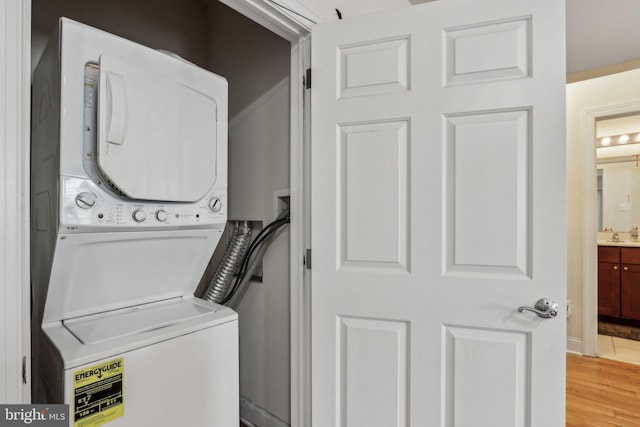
(617, 219)
(593, 108)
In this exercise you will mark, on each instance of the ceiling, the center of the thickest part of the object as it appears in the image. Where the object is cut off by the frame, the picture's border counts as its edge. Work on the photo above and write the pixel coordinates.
(618, 126)
(599, 32)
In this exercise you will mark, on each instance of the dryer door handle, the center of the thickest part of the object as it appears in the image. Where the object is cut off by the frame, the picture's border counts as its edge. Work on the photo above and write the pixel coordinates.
(117, 107)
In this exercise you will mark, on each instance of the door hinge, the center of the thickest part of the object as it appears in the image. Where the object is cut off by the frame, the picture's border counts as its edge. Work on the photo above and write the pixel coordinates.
(307, 79)
(24, 369)
(307, 259)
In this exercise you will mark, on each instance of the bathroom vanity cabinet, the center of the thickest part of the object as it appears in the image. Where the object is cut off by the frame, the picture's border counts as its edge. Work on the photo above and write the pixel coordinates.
(619, 282)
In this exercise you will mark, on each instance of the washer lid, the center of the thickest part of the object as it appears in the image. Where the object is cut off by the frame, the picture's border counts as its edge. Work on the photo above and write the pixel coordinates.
(138, 320)
(156, 136)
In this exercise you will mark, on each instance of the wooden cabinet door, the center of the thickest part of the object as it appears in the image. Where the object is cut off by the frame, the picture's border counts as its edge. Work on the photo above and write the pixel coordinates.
(630, 291)
(608, 289)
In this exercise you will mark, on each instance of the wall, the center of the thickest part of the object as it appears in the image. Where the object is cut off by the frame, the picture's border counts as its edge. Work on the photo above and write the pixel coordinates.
(151, 23)
(256, 63)
(614, 89)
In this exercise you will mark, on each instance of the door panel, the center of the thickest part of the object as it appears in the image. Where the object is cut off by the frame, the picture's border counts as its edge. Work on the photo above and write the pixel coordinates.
(373, 156)
(373, 355)
(498, 361)
(390, 73)
(488, 192)
(438, 208)
(488, 51)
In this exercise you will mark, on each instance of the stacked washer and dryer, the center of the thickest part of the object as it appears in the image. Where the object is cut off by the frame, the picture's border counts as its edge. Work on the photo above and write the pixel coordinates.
(129, 191)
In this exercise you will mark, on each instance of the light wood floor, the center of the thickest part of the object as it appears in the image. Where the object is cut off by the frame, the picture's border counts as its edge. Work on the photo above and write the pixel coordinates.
(602, 393)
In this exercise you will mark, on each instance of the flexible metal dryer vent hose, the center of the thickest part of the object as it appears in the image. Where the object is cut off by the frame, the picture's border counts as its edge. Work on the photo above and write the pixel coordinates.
(230, 264)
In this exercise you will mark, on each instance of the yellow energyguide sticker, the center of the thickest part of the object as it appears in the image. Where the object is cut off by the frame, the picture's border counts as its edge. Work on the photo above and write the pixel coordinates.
(98, 393)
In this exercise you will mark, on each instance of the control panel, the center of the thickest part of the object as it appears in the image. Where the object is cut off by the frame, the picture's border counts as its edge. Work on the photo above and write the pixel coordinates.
(87, 207)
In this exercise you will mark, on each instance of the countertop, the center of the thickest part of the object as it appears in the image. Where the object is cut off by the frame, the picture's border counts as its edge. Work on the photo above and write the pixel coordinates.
(622, 243)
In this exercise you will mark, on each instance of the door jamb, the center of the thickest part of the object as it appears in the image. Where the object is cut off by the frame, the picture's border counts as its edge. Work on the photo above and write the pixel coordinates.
(297, 31)
(300, 276)
(15, 80)
(279, 20)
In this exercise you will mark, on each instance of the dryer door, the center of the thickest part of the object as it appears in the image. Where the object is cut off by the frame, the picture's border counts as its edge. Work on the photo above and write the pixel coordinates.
(156, 136)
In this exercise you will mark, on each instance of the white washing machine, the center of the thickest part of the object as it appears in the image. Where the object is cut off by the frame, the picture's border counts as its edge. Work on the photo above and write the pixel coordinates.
(129, 191)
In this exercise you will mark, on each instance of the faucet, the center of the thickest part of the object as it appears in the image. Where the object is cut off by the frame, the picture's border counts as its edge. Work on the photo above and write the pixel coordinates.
(614, 236)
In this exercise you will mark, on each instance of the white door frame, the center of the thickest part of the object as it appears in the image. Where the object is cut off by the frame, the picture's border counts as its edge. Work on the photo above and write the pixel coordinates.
(15, 91)
(590, 247)
(15, 82)
(279, 20)
(296, 30)
(300, 210)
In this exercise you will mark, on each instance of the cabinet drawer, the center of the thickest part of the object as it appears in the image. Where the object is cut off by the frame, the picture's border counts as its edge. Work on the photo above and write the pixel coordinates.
(629, 255)
(610, 254)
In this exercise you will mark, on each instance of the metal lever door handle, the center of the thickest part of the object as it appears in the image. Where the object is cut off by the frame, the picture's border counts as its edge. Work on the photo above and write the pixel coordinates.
(544, 308)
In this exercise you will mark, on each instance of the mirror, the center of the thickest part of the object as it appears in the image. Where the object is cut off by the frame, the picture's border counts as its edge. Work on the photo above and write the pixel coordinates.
(618, 195)
(618, 163)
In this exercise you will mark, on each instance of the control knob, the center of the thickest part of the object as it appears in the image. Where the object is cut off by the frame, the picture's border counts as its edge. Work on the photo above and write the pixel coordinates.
(139, 215)
(161, 215)
(86, 200)
(215, 204)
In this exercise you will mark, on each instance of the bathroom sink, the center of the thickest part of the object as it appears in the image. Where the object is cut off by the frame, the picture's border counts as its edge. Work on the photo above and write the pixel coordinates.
(611, 242)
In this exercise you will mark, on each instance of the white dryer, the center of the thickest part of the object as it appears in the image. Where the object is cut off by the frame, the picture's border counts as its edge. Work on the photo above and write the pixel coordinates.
(129, 191)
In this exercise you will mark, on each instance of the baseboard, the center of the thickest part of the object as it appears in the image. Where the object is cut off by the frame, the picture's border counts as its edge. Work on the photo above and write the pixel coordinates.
(253, 415)
(574, 345)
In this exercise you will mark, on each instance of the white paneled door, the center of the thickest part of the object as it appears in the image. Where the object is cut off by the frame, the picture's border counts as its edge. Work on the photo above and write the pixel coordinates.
(438, 209)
